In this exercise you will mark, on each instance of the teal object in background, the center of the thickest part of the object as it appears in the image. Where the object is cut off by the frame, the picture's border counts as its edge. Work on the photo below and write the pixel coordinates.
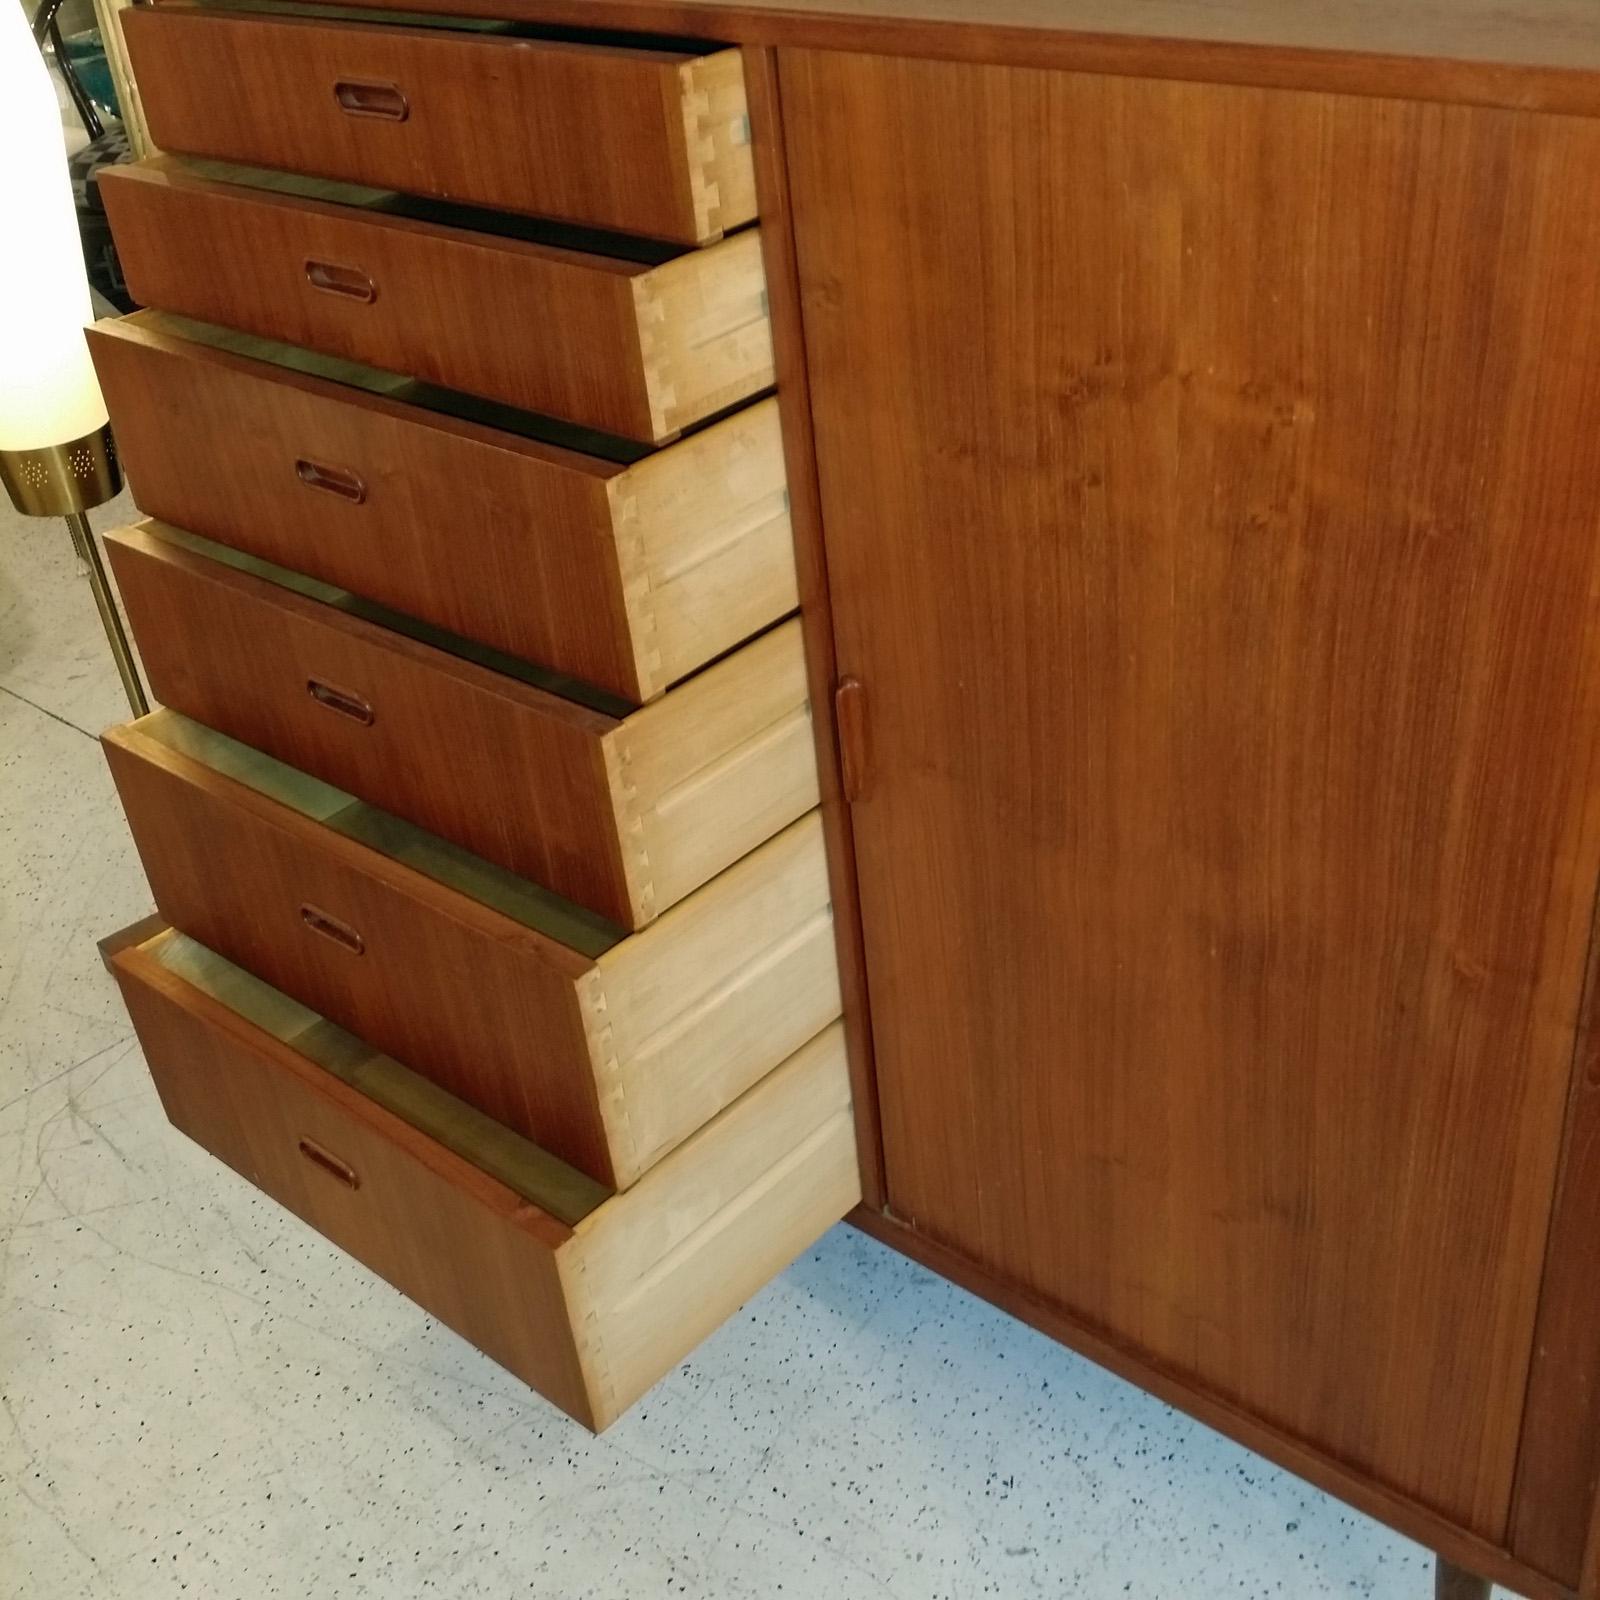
(88, 57)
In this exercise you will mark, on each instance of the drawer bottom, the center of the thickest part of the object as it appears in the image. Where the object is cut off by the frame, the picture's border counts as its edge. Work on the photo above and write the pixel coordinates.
(587, 1296)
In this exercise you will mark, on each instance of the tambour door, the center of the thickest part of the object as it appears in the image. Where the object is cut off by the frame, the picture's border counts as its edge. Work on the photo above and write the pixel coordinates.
(1210, 493)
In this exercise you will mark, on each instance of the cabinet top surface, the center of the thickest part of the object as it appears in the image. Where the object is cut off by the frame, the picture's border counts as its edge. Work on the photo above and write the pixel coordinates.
(1525, 54)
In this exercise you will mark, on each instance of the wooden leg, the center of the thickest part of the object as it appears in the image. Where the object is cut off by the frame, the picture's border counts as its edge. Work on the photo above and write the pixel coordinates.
(1450, 1582)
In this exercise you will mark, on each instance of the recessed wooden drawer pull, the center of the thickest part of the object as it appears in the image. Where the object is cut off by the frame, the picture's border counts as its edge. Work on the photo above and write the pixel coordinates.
(385, 101)
(330, 1163)
(346, 281)
(341, 933)
(340, 700)
(331, 480)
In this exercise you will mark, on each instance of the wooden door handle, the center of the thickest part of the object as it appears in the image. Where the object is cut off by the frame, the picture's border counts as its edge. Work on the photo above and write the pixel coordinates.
(340, 481)
(341, 700)
(386, 102)
(850, 722)
(350, 283)
(331, 928)
(320, 1156)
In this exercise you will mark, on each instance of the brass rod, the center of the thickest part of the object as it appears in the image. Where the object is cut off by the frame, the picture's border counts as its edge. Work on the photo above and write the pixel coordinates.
(83, 541)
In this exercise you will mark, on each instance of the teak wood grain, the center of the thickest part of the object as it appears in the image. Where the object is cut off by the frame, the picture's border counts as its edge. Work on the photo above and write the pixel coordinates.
(607, 1052)
(1518, 54)
(642, 141)
(632, 348)
(1209, 493)
(592, 1312)
(623, 815)
(626, 576)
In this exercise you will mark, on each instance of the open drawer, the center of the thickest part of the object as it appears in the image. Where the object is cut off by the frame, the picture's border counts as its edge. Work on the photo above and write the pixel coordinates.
(624, 811)
(638, 134)
(607, 1050)
(588, 1298)
(626, 567)
(630, 339)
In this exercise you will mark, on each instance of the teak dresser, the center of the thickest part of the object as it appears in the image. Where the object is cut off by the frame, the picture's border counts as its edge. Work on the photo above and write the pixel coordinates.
(984, 615)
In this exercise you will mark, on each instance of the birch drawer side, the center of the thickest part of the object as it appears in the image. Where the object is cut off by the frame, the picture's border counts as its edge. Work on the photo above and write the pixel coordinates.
(642, 140)
(587, 1298)
(623, 812)
(607, 1050)
(628, 573)
(642, 348)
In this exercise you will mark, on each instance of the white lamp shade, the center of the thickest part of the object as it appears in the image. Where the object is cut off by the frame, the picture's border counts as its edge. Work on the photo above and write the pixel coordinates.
(48, 391)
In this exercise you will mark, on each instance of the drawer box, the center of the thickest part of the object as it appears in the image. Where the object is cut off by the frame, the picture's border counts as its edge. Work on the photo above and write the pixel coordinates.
(589, 1299)
(606, 1050)
(642, 348)
(625, 812)
(641, 140)
(628, 574)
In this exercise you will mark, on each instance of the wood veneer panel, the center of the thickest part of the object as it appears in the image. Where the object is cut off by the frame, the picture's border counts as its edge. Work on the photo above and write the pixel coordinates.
(648, 141)
(1210, 506)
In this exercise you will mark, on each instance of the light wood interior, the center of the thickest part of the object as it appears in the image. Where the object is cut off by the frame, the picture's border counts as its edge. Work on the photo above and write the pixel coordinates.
(656, 1270)
(684, 1016)
(705, 542)
(716, 126)
(704, 332)
(709, 771)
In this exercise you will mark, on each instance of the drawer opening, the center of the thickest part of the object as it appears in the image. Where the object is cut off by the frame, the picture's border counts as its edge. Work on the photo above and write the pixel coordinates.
(627, 248)
(524, 902)
(534, 1174)
(484, 27)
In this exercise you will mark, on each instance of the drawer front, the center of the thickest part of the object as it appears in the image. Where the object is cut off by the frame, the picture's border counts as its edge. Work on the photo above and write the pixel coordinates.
(510, 773)
(640, 352)
(484, 1007)
(626, 577)
(626, 816)
(643, 141)
(591, 1313)
(461, 1245)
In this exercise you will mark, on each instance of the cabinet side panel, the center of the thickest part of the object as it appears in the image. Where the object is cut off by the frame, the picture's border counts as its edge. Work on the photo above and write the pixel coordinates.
(1210, 503)
(1558, 1471)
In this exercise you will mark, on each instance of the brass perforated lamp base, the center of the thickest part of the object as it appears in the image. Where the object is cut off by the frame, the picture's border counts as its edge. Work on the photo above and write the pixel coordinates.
(60, 479)
(66, 480)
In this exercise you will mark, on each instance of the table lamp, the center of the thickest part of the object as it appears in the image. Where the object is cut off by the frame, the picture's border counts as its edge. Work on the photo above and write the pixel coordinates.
(56, 455)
